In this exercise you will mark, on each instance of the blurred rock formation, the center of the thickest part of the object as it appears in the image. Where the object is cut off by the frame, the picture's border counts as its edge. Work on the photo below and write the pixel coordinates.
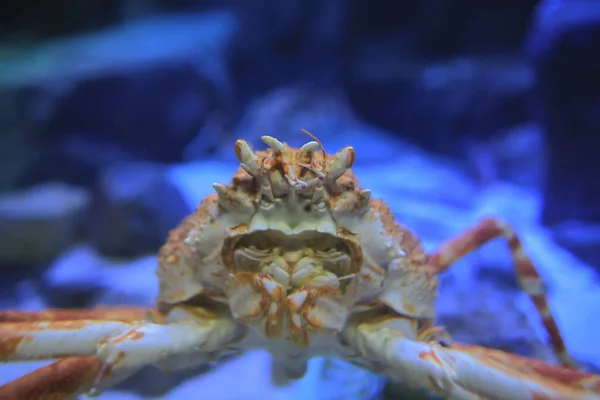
(564, 45)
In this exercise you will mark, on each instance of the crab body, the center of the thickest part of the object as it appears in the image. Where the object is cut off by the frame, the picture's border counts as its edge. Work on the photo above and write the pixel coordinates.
(293, 257)
(293, 246)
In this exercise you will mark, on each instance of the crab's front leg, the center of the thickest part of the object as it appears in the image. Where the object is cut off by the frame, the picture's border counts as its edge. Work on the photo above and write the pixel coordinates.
(463, 372)
(101, 353)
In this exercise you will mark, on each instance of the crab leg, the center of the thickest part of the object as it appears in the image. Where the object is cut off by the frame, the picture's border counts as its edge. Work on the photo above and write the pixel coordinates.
(181, 339)
(41, 340)
(49, 334)
(527, 276)
(62, 380)
(55, 339)
(468, 372)
(103, 314)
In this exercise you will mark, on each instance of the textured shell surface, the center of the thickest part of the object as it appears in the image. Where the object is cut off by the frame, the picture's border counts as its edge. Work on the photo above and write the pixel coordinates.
(293, 247)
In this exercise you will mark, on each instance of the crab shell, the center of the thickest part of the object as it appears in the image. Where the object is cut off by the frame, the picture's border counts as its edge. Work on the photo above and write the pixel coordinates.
(299, 198)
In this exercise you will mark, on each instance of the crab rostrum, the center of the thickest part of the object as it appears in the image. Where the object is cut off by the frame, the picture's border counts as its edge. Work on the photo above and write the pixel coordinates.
(293, 256)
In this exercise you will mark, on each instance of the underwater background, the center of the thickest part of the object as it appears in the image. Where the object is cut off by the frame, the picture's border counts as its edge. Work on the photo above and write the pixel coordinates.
(117, 116)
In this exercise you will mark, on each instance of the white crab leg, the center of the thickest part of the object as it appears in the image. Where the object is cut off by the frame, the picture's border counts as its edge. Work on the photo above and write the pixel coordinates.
(153, 343)
(468, 372)
(180, 340)
(54, 339)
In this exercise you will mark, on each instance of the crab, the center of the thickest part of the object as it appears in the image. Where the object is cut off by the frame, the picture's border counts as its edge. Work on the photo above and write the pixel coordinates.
(294, 257)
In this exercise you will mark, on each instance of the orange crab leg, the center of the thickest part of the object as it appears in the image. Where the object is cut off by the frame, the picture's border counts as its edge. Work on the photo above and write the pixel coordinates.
(183, 338)
(532, 367)
(466, 372)
(61, 333)
(104, 314)
(50, 334)
(485, 373)
(63, 380)
(527, 276)
(49, 340)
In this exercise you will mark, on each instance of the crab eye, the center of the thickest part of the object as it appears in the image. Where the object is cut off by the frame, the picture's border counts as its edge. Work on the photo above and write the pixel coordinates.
(321, 205)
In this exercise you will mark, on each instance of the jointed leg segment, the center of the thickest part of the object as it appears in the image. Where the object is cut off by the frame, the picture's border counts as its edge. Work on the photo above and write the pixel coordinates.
(50, 334)
(95, 314)
(527, 276)
(463, 372)
(100, 352)
(62, 380)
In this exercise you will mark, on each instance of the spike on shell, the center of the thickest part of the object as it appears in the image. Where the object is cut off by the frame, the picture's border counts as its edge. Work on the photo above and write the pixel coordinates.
(343, 160)
(273, 143)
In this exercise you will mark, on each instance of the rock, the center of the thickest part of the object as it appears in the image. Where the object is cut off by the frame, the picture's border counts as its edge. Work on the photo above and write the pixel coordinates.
(61, 18)
(563, 44)
(194, 180)
(83, 278)
(489, 314)
(291, 42)
(441, 105)
(437, 29)
(198, 38)
(102, 108)
(583, 239)
(133, 210)
(83, 87)
(137, 204)
(437, 82)
(429, 195)
(516, 155)
(23, 114)
(23, 294)
(418, 174)
(74, 159)
(329, 42)
(38, 224)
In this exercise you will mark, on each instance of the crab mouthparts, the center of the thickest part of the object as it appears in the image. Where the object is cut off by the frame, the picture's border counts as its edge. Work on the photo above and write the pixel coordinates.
(285, 287)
